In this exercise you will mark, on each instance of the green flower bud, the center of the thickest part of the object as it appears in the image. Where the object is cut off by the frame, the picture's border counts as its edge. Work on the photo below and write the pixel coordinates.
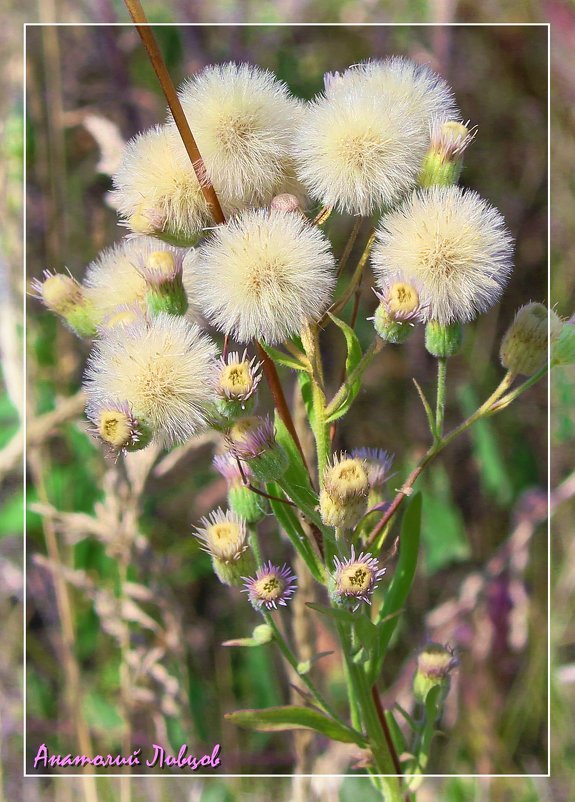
(63, 295)
(343, 497)
(434, 665)
(389, 329)
(563, 348)
(444, 159)
(443, 341)
(524, 348)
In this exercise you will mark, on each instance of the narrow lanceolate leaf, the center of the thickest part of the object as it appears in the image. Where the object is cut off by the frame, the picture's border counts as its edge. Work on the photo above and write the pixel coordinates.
(287, 360)
(352, 384)
(289, 522)
(277, 719)
(401, 583)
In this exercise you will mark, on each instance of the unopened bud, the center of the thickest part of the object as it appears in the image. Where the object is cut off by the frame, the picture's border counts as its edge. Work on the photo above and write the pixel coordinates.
(563, 349)
(162, 271)
(225, 538)
(343, 497)
(63, 295)
(253, 440)
(443, 340)
(443, 161)
(286, 203)
(524, 348)
(434, 665)
(116, 425)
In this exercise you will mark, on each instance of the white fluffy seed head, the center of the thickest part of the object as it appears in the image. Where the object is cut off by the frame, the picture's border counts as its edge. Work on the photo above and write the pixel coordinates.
(425, 94)
(156, 188)
(116, 278)
(358, 151)
(243, 120)
(264, 275)
(450, 243)
(163, 369)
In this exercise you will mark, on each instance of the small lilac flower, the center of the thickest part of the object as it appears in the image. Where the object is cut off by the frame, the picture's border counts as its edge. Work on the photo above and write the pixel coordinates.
(356, 578)
(251, 437)
(227, 466)
(270, 586)
(378, 464)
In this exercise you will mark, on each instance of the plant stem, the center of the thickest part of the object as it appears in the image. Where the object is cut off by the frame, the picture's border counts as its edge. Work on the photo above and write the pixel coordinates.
(149, 40)
(292, 660)
(438, 446)
(359, 694)
(440, 404)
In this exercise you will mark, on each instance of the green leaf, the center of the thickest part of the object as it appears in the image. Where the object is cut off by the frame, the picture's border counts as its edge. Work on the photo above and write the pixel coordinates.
(352, 384)
(289, 522)
(493, 468)
(287, 360)
(354, 352)
(279, 719)
(443, 528)
(366, 630)
(400, 584)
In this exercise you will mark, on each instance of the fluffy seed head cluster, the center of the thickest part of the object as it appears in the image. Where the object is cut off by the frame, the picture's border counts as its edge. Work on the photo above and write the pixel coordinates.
(361, 144)
(358, 152)
(243, 120)
(156, 188)
(356, 578)
(271, 586)
(450, 244)
(164, 369)
(426, 95)
(264, 275)
(345, 490)
(524, 348)
(224, 535)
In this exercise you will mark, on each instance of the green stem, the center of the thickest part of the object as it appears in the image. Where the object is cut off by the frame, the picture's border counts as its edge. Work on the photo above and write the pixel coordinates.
(360, 695)
(292, 660)
(255, 544)
(507, 399)
(440, 405)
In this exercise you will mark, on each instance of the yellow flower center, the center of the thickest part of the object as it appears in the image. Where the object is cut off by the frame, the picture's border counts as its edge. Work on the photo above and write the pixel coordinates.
(348, 478)
(269, 588)
(163, 262)
(240, 430)
(402, 298)
(355, 579)
(224, 534)
(114, 428)
(236, 379)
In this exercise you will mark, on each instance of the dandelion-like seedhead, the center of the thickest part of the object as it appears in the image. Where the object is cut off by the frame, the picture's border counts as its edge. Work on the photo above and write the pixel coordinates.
(356, 578)
(271, 586)
(426, 95)
(358, 152)
(378, 463)
(243, 120)
(156, 189)
(450, 244)
(264, 275)
(224, 535)
(164, 369)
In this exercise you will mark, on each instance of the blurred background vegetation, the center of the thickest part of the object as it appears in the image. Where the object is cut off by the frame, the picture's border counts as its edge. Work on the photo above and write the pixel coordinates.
(483, 580)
